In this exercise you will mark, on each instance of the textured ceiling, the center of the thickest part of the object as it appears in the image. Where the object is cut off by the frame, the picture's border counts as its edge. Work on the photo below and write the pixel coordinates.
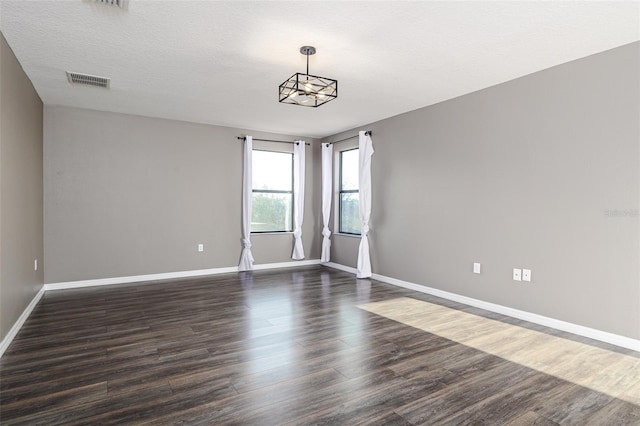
(220, 62)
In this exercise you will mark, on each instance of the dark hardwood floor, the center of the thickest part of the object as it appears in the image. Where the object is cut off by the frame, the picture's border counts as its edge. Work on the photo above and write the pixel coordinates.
(271, 347)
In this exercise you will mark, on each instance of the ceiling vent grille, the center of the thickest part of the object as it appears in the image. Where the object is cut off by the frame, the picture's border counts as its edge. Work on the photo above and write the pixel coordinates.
(117, 3)
(88, 80)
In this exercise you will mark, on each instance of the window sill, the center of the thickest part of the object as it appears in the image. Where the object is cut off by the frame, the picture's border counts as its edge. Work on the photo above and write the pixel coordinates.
(348, 235)
(272, 233)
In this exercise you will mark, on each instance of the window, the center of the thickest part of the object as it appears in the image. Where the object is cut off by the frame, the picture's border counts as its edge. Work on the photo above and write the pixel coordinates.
(272, 202)
(349, 203)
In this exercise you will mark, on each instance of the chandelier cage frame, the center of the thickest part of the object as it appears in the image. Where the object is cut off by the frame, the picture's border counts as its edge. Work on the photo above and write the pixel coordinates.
(306, 89)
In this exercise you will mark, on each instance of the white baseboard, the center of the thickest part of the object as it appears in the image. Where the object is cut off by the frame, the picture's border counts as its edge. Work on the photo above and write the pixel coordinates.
(20, 322)
(172, 275)
(341, 267)
(293, 264)
(592, 333)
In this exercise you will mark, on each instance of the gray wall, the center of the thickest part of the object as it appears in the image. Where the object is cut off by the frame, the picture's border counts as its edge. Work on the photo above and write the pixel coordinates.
(129, 195)
(21, 189)
(541, 173)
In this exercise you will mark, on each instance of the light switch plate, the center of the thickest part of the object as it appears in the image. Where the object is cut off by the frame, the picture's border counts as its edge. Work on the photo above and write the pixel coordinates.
(476, 268)
(526, 275)
(517, 274)
(200, 247)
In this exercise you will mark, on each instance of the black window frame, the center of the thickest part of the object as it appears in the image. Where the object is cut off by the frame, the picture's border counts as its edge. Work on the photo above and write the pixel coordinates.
(276, 191)
(345, 191)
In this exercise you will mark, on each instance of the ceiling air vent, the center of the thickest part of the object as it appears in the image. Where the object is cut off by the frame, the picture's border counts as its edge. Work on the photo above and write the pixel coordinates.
(88, 80)
(118, 3)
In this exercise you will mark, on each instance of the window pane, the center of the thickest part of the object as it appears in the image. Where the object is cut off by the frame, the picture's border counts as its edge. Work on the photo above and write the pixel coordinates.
(271, 212)
(272, 170)
(350, 213)
(349, 169)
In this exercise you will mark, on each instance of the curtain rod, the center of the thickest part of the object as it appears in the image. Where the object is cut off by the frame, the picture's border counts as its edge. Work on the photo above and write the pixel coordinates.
(368, 133)
(242, 138)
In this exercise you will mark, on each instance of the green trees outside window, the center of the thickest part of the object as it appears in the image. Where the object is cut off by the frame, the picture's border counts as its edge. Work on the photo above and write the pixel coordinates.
(272, 202)
(349, 202)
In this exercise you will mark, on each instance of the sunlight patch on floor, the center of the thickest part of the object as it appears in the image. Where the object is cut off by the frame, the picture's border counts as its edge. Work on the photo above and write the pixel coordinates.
(598, 369)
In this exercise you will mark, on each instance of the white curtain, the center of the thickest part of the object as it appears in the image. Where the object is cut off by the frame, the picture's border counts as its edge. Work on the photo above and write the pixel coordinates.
(365, 148)
(246, 258)
(298, 199)
(327, 195)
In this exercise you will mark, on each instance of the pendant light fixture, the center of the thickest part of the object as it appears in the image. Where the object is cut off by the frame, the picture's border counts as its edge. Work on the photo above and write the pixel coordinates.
(308, 90)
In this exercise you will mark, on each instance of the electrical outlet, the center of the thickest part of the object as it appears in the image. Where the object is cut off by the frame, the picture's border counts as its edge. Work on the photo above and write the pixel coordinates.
(200, 247)
(526, 275)
(476, 268)
(517, 274)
